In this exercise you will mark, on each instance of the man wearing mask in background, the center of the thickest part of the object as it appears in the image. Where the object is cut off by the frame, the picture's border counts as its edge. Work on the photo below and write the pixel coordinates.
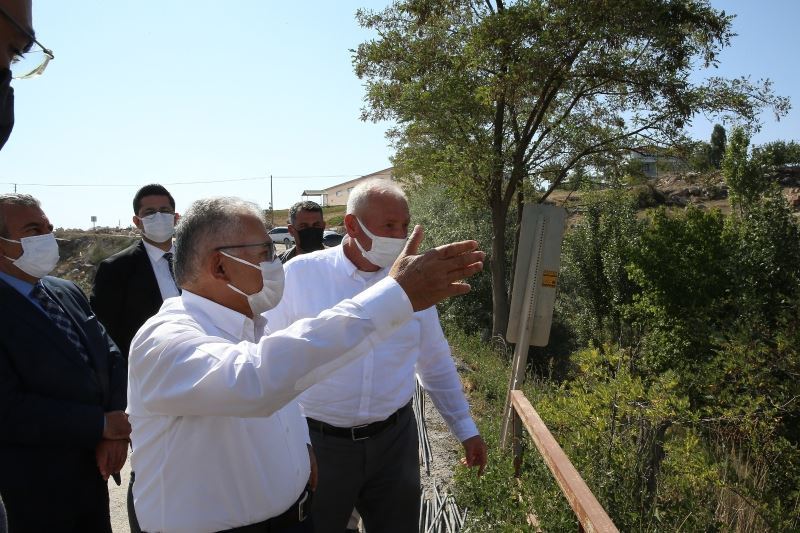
(63, 430)
(306, 225)
(360, 419)
(219, 441)
(130, 286)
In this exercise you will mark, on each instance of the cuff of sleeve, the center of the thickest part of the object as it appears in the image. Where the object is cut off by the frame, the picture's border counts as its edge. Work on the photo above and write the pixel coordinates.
(386, 304)
(464, 429)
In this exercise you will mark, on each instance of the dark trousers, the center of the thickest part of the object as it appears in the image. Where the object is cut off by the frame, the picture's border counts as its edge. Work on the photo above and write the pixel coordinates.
(379, 476)
(43, 509)
(307, 526)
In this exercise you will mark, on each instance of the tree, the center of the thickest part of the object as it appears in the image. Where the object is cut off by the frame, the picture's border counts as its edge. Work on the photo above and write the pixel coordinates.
(743, 174)
(493, 99)
(718, 142)
(778, 154)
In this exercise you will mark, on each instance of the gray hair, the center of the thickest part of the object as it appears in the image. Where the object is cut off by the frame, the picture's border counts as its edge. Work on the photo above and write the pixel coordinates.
(208, 224)
(12, 198)
(360, 195)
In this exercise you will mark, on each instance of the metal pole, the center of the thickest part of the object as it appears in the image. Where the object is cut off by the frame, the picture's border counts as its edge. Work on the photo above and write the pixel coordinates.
(271, 205)
(533, 287)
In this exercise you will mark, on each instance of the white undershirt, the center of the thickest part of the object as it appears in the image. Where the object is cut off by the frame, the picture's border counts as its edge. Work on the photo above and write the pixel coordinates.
(166, 283)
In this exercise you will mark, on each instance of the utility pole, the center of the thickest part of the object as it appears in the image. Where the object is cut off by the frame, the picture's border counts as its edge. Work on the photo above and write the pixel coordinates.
(271, 205)
(15, 188)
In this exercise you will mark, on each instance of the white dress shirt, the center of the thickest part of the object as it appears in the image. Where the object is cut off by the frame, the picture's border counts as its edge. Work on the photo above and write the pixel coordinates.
(377, 385)
(166, 283)
(218, 437)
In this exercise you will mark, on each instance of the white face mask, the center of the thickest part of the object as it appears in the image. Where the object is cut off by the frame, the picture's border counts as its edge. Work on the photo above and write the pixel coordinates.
(384, 249)
(159, 227)
(39, 255)
(272, 291)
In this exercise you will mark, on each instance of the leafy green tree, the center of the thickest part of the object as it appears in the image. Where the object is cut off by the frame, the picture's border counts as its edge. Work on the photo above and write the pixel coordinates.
(744, 176)
(496, 97)
(595, 286)
(778, 154)
(681, 269)
(718, 141)
(445, 221)
(697, 155)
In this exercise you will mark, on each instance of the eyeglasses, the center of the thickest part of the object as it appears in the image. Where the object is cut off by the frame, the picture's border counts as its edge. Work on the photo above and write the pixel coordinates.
(269, 246)
(28, 63)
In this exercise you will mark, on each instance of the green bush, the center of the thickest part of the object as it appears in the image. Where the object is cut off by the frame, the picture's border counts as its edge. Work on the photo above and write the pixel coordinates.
(445, 222)
(679, 406)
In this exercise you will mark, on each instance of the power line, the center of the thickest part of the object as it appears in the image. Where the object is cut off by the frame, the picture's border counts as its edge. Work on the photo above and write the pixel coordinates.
(193, 182)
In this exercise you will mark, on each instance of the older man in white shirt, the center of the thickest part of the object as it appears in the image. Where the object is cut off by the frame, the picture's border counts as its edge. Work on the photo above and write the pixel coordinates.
(360, 420)
(219, 442)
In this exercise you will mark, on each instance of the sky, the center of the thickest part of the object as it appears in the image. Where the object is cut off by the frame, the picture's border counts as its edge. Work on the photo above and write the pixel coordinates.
(190, 92)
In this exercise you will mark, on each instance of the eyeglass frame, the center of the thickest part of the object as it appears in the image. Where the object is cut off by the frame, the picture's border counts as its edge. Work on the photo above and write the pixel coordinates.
(48, 54)
(267, 244)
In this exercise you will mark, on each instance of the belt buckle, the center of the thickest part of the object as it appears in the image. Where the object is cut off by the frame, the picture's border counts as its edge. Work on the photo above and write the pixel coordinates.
(353, 432)
(301, 514)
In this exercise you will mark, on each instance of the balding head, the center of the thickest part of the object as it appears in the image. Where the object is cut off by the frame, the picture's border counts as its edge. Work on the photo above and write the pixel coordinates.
(365, 193)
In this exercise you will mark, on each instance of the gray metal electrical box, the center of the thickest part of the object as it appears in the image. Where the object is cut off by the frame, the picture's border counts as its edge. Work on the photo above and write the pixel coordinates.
(536, 274)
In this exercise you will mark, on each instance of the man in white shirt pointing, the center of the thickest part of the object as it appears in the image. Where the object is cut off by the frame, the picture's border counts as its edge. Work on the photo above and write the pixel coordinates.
(219, 442)
(360, 419)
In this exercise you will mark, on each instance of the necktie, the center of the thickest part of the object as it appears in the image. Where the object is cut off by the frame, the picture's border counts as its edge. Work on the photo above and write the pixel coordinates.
(168, 257)
(60, 318)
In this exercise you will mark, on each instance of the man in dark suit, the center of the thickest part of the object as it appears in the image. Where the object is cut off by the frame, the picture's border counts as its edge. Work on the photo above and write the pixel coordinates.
(130, 286)
(63, 429)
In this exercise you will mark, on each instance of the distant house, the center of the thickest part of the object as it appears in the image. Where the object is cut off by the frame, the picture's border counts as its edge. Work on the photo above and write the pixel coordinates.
(338, 194)
(655, 161)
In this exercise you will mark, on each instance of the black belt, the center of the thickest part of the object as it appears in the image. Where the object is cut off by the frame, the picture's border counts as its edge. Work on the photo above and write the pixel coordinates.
(295, 514)
(358, 432)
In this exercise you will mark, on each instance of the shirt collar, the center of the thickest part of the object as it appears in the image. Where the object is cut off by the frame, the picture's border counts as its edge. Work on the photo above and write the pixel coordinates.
(155, 253)
(234, 323)
(20, 285)
(343, 262)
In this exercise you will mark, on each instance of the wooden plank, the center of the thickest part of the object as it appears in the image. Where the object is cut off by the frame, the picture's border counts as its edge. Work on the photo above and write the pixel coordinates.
(590, 513)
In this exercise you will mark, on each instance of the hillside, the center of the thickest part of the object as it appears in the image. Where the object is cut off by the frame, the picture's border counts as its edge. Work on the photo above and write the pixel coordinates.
(678, 190)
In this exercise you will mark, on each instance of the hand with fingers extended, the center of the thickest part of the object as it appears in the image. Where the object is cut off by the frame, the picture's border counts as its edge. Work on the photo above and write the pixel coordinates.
(110, 456)
(437, 274)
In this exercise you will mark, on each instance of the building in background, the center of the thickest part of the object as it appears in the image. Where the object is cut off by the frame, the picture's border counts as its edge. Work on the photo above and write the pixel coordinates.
(338, 194)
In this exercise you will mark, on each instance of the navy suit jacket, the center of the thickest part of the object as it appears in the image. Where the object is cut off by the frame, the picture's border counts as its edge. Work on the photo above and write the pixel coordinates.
(125, 294)
(52, 403)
